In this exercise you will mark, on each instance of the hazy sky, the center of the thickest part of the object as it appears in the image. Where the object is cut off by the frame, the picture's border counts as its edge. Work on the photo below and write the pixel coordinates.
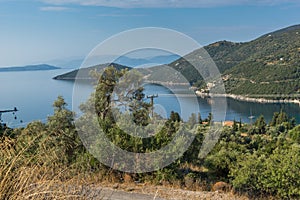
(37, 31)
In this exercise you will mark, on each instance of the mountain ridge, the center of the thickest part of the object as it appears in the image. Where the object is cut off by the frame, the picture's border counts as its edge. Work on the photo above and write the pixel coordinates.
(272, 67)
(267, 65)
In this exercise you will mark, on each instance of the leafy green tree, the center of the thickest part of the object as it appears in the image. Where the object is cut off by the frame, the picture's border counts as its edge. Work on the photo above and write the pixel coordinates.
(61, 130)
(172, 124)
(209, 118)
(119, 95)
(192, 120)
(139, 108)
(261, 125)
(199, 118)
(276, 174)
(192, 154)
(294, 134)
(117, 88)
(104, 92)
(245, 173)
(273, 122)
(282, 117)
(223, 157)
(281, 174)
(175, 117)
(279, 118)
(240, 124)
(62, 118)
(235, 126)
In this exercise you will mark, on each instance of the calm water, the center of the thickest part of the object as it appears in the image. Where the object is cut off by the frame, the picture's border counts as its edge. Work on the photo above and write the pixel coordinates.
(33, 93)
(236, 110)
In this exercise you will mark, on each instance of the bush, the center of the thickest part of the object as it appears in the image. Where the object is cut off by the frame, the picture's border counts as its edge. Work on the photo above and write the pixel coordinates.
(276, 175)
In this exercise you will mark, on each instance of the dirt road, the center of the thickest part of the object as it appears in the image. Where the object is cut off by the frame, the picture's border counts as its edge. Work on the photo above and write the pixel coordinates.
(162, 193)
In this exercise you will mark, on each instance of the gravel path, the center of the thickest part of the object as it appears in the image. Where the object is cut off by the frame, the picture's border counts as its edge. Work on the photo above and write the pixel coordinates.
(127, 192)
(161, 193)
(109, 194)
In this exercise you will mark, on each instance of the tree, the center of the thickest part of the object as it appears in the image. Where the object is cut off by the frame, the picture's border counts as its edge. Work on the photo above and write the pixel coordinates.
(120, 106)
(282, 117)
(171, 125)
(120, 88)
(261, 125)
(235, 126)
(279, 118)
(104, 92)
(61, 131)
(281, 176)
(139, 108)
(199, 119)
(276, 174)
(273, 122)
(175, 117)
(223, 157)
(209, 118)
(294, 134)
(192, 120)
(245, 172)
(240, 124)
(62, 118)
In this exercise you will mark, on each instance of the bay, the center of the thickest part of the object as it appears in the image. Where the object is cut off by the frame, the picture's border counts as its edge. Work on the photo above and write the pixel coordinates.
(34, 92)
(235, 109)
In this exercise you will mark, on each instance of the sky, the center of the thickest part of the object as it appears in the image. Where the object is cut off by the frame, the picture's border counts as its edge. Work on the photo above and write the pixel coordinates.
(41, 31)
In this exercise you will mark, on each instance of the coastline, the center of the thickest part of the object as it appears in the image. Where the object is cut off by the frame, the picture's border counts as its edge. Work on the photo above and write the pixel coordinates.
(248, 99)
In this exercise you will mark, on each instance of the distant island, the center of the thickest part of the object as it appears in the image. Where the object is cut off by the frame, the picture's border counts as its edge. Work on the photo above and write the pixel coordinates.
(41, 67)
(84, 73)
(121, 62)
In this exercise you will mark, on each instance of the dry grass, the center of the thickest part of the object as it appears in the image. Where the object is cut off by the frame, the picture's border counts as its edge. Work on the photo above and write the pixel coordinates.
(32, 177)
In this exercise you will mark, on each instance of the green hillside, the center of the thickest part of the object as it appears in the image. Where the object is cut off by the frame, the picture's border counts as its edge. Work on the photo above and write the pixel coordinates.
(272, 66)
(268, 65)
(225, 54)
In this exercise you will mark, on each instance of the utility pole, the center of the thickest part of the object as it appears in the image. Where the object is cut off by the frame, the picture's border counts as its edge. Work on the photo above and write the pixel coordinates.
(152, 102)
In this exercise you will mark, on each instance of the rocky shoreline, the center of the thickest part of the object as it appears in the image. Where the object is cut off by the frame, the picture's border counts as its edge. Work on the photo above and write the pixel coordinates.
(248, 99)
